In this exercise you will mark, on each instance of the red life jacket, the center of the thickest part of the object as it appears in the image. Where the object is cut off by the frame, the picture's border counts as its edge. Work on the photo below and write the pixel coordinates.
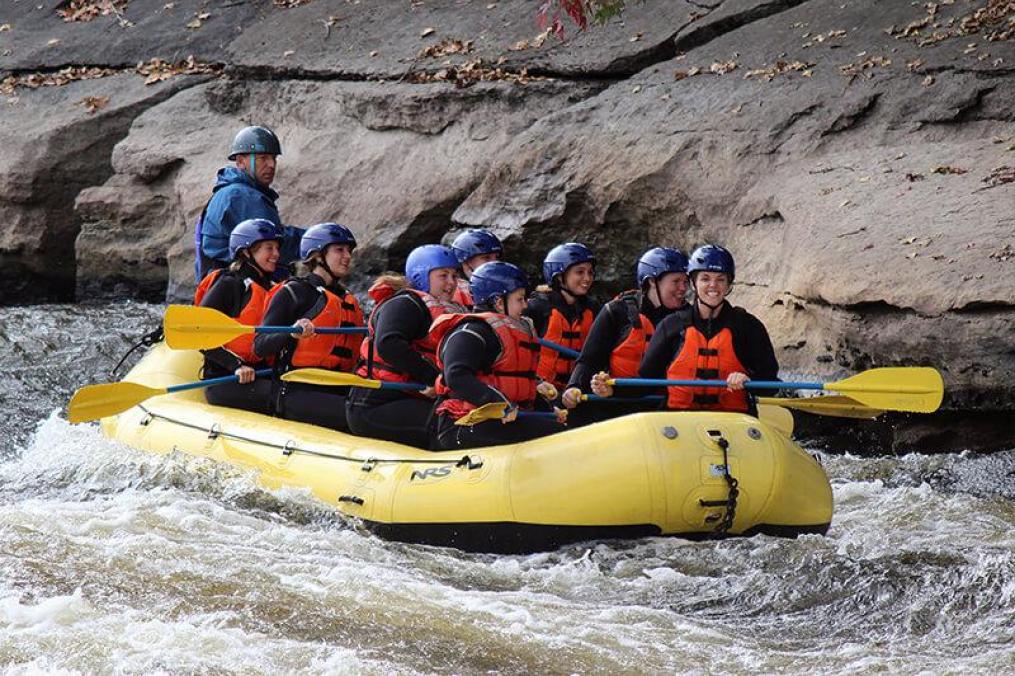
(463, 296)
(425, 346)
(513, 373)
(701, 359)
(626, 356)
(331, 351)
(249, 315)
(553, 366)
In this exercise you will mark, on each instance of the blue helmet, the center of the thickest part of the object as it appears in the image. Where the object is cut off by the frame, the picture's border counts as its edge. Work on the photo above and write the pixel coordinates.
(474, 242)
(319, 237)
(712, 258)
(657, 261)
(425, 258)
(563, 256)
(251, 231)
(494, 279)
(255, 140)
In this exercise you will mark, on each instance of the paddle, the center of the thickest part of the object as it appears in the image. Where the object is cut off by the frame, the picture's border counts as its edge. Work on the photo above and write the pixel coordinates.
(837, 407)
(916, 389)
(190, 327)
(338, 379)
(566, 351)
(495, 411)
(93, 402)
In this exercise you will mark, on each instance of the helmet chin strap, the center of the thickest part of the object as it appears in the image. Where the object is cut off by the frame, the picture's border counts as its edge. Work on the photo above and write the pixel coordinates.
(253, 166)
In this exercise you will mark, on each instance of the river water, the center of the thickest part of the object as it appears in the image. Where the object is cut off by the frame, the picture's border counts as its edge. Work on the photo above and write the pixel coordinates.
(113, 560)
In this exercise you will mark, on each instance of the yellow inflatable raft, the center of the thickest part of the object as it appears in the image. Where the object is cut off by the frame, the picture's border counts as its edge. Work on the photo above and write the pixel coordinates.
(648, 474)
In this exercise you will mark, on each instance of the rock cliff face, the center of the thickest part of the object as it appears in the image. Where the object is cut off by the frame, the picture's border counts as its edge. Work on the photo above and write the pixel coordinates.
(857, 156)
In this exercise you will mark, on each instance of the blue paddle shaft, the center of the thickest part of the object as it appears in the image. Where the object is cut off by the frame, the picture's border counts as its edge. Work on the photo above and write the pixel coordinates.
(566, 351)
(536, 414)
(750, 384)
(198, 384)
(322, 329)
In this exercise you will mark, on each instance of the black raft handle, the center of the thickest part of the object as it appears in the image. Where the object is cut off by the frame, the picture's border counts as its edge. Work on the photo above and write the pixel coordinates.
(355, 499)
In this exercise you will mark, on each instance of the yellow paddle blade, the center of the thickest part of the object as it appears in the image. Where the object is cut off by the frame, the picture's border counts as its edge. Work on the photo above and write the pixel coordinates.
(834, 406)
(916, 389)
(329, 378)
(93, 402)
(776, 416)
(494, 411)
(188, 327)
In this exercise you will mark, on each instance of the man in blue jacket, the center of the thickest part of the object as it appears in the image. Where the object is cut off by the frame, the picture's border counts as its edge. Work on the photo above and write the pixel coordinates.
(242, 192)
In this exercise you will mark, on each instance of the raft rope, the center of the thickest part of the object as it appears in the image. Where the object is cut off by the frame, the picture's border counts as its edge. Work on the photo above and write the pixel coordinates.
(147, 340)
(288, 448)
(730, 503)
(722, 529)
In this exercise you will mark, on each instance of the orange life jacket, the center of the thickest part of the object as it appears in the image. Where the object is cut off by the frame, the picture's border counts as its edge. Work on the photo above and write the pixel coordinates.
(330, 351)
(250, 315)
(513, 373)
(701, 359)
(626, 356)
(425, 346)
(463, 296)
(553, 366)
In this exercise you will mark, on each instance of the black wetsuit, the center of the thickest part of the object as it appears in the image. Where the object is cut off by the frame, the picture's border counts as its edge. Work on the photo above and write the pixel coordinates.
(397, 415)
(751, 343)
(314, 404)
(611, 327)
(230, 294)
(471, 348)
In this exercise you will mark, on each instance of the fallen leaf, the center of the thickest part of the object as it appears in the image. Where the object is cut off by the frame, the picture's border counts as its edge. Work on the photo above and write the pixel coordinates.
(845, 203)
(637, 88)
(194, 25)
(54, 41)
(945, 169)
(427, 31)
(907, 240)
(203, 15)
(913, 178)
(928, 81)
(723, 67)
(636, 37)
(4, 27)
(288, 52)
(93, 103)
(445, 47)
(1000, 175)
(374, 53)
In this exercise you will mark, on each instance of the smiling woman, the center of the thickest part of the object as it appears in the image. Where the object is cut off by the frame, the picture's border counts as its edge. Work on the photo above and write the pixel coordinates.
(315, 300)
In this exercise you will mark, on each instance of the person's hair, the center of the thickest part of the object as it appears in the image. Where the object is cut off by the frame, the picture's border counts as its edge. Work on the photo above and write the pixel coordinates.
(242, 256)
(394, 280)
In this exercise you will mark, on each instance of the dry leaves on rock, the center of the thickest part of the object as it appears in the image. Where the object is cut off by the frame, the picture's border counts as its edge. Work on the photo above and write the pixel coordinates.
(995, 20)
(946, 169)
(60, 78)
(198, 20)
(158, 70)
(862, 67)
(86, 10)
(534, 43)
(444, 48)
(471, 72)
(1000, 175)
(780, 67)
(821, 37)
(94, 103)
(1005, 253)
(289, 4)
(4, 27)
(723, 67)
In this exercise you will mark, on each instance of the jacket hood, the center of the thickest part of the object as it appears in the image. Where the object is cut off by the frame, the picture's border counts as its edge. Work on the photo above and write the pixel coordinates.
(235, 176)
